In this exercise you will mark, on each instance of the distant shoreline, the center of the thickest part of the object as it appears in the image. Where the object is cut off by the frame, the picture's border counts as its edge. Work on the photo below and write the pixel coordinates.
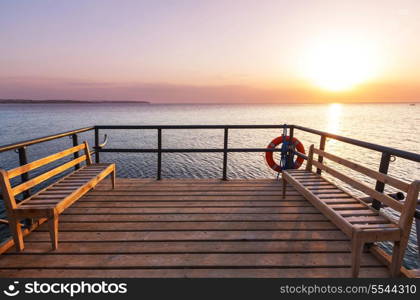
(63, 101)
(29, 101)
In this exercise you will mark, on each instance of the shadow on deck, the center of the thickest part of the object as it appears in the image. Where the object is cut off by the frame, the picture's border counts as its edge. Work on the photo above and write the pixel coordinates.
(191, 228)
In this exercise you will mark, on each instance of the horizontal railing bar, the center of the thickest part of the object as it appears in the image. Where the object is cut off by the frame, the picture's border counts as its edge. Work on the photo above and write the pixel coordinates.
(391, 151)
(198, 150)
(396, 152)
(192, 126)
(42, 139)
(301, 155)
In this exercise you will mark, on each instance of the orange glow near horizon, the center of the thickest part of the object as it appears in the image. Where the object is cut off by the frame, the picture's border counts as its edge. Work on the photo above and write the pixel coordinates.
(273, 51)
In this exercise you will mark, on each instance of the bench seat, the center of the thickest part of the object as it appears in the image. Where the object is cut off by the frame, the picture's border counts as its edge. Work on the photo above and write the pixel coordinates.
(355, 213)
(75, 183)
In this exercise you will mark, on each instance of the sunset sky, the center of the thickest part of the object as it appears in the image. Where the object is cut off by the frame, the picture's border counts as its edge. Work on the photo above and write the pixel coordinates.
(211, 51)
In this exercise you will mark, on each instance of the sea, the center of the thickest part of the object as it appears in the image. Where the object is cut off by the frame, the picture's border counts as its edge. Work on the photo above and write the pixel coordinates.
(388, 124)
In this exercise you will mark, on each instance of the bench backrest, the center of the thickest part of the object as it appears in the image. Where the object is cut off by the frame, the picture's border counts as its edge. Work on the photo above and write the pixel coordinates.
(10, 192)
(406, 209)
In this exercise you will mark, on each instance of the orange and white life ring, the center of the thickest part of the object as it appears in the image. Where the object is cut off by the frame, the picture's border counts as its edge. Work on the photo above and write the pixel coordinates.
(277, 141)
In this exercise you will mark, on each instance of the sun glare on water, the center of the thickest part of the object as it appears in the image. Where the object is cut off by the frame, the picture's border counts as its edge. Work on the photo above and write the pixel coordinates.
(339, 66)
(333, 117)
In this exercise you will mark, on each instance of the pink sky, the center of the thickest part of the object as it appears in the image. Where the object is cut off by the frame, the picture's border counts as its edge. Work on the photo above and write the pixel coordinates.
(208, 51)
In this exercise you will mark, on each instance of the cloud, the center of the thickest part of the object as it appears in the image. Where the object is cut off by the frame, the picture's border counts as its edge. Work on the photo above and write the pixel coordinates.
(26, 88)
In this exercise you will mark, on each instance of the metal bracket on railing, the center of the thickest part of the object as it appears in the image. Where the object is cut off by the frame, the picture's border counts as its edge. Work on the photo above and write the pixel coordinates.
(104, 142)
(100, 146)
(19, 151)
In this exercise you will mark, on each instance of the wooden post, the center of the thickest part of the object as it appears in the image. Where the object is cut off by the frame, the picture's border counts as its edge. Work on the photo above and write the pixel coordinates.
(87, 153)
(310, 158)
(159, 158)
(321, 147)
(225, 153)
(405, 223)
(53, 227)
(380, 186)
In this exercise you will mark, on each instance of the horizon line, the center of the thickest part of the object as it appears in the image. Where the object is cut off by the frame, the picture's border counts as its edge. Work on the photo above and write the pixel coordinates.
(83, 101)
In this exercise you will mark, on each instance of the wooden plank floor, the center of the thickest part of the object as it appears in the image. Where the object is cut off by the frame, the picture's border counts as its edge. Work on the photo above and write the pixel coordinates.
(191, 228)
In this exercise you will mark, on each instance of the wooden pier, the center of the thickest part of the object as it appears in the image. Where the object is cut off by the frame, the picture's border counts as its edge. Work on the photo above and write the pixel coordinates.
(191, 228)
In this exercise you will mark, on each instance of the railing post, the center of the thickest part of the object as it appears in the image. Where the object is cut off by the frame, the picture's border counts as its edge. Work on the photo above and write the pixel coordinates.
(75, 154)
(380, 186)
(23, 160)
(97, 145)
(225, 152)
(321, 147)
(159, 158)
(290, 152)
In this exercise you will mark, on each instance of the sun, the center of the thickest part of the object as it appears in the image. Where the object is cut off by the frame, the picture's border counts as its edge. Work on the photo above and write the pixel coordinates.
(339, 65)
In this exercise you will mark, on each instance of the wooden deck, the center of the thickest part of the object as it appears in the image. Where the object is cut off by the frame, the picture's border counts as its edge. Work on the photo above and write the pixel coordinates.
(191, 228)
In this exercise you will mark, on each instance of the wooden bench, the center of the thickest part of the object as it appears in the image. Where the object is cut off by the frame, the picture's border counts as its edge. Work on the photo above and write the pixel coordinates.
(51, 201)
(358, 220)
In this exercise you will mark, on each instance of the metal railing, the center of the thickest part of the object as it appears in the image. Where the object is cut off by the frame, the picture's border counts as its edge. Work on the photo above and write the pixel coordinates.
(387, 152)
(159, 150)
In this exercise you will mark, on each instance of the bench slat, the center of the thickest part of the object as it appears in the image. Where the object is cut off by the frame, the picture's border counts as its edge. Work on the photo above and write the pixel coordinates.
(338, 220)
(351, 213)
(391, 202)
(367, 220)
(43, 161)
(343, 206)
(401, 185)
(67, 201)
(30, 183)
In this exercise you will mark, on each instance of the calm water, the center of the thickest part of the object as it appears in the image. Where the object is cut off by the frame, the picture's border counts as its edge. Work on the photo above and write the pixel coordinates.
(394, 125)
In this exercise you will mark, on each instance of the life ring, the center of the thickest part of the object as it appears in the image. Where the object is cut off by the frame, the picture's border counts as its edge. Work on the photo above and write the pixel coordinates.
(277, 141)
